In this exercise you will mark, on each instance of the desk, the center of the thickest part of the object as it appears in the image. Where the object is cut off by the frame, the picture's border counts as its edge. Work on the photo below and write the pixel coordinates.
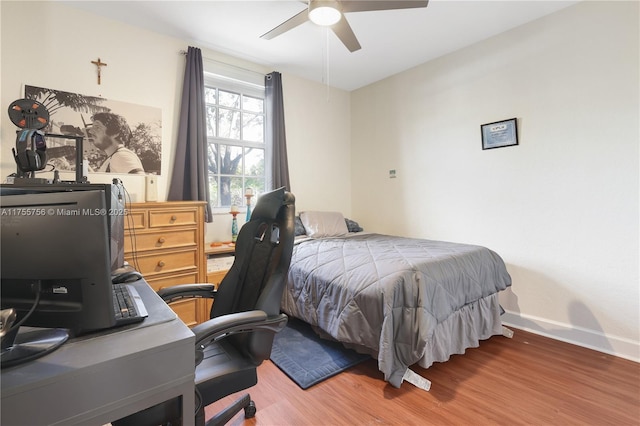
(99, 378)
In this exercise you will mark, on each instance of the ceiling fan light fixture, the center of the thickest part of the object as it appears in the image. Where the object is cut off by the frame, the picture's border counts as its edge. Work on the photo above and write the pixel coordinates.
(324, 13)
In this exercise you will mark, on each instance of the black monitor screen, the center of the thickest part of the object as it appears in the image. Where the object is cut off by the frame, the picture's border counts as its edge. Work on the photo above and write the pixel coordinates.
(57, 242)
(115, 209)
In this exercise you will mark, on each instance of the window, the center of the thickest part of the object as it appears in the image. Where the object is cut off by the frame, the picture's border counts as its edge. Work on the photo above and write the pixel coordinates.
(235, 136)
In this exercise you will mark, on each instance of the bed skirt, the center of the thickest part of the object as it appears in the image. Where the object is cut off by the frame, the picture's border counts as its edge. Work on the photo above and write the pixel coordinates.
(463, 329)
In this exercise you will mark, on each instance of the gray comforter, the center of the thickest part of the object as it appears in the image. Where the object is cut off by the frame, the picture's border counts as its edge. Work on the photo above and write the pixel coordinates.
(387, 294)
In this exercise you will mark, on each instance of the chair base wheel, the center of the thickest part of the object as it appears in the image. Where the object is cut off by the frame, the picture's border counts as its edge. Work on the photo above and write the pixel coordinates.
(250, 410)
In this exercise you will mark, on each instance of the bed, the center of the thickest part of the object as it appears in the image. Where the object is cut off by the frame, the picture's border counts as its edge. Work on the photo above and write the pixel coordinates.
(401, 300)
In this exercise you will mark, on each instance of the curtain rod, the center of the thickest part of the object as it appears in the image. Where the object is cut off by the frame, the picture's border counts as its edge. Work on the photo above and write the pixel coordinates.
(184, 52)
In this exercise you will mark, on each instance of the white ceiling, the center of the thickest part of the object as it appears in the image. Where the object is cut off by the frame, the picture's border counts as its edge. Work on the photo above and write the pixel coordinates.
(392, 41)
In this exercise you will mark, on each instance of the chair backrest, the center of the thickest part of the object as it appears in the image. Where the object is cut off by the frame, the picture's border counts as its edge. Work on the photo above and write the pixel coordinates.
(258, 275)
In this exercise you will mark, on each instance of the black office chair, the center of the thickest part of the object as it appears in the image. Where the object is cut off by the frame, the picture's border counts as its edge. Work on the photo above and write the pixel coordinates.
(245, 314)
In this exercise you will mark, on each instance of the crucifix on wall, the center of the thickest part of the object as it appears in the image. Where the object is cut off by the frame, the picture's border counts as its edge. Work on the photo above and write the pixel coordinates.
(99, 64)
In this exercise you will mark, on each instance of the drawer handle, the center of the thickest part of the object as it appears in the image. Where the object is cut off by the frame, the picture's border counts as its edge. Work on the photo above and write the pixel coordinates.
(160, 263)
(161, 240)
(174, 218)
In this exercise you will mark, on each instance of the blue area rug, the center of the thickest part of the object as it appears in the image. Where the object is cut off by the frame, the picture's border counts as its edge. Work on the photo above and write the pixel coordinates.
(308, 359)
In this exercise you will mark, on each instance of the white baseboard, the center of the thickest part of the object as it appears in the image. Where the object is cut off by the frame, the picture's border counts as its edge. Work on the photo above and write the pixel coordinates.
(599, 341)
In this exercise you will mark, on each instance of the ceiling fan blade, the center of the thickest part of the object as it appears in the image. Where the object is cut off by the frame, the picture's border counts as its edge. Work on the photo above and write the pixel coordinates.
(346, 35)
(367, 5)
(287, 25)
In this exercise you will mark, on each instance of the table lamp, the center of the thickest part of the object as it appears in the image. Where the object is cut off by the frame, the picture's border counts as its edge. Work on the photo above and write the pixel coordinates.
(248, 194)
(234, 223)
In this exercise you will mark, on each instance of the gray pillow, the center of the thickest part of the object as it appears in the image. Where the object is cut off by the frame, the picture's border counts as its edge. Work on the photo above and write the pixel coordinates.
(353, 226)
(299, 227)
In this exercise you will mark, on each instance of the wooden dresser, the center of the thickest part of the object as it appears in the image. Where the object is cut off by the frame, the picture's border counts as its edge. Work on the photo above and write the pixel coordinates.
(165, 242)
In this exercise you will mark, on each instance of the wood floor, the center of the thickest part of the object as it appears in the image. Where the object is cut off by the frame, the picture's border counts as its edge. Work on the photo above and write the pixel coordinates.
(526, 380)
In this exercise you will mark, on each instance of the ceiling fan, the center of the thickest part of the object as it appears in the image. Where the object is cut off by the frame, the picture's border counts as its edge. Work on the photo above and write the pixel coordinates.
(331, 13)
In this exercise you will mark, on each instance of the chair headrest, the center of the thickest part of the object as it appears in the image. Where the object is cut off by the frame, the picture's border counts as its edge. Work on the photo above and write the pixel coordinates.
(269, 204)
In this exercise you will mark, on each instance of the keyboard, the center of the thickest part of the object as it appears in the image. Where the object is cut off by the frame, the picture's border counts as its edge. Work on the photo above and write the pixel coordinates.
(128, 305)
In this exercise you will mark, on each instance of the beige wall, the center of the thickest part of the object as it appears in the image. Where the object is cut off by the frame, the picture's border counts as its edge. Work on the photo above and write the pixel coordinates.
(146, 68)
(562, 207)
(318, 122)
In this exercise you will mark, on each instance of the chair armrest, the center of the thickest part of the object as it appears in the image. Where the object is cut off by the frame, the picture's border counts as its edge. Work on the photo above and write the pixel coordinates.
(187, 291)
(241, 322)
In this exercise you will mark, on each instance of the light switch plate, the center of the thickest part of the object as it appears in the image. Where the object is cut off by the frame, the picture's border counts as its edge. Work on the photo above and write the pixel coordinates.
(151, 193)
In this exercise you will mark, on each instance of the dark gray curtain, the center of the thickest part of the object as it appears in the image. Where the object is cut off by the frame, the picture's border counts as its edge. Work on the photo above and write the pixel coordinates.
(274, 108)
(189, 181)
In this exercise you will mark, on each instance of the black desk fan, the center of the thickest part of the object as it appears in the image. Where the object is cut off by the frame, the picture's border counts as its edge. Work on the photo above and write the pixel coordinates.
(30, 152)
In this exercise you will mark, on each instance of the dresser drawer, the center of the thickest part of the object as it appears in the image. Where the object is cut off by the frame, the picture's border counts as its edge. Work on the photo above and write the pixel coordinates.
(161, 282)
(135, 219)
(204, 310)
(175, 261)
(164, 239)
(160, 218)
(187, 311)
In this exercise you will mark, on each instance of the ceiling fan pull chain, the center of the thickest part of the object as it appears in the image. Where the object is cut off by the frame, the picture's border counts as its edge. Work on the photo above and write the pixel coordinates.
(326, 61)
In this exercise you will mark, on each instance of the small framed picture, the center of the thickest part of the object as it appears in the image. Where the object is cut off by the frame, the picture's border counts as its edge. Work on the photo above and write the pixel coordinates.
(499, 134)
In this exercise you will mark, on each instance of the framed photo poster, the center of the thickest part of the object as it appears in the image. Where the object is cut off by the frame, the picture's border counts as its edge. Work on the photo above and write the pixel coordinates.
(499, 134)
(119, 137)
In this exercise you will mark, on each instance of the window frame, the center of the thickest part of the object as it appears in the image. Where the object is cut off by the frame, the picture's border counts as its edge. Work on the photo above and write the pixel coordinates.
(243, 88)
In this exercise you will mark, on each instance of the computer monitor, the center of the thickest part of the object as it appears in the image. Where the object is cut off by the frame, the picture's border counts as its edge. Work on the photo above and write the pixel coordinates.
(56, 262)
(115, 208)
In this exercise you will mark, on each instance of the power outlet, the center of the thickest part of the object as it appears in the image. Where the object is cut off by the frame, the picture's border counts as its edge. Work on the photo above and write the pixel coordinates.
(151, 193)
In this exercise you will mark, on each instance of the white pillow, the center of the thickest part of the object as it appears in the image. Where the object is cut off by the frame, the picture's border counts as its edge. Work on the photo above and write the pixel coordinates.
(324, 224)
